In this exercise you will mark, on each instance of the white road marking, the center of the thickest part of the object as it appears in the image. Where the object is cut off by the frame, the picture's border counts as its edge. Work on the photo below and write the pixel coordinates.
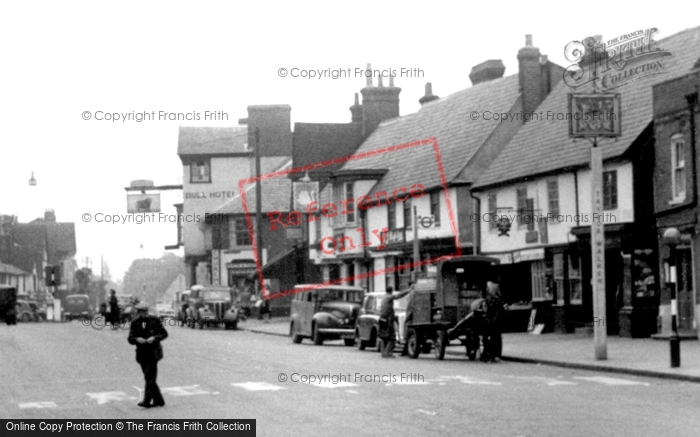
(611, 381)
(355, 392)
(258, 386)
(328, 384)
(107, 396)
(549, 381)
(429, 413)
(185, 391)
(471, 380)
(38, 405)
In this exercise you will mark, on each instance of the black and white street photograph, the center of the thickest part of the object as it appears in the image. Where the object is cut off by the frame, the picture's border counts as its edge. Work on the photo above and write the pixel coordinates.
(353, 219)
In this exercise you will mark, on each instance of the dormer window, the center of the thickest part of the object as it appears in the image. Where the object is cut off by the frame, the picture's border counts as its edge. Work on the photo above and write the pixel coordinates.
(200, 171)
(678, 167)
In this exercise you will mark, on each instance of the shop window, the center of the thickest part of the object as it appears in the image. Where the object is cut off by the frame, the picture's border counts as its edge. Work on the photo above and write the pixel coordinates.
(435, 207)
(541, 291)
(200, 171)
(553, 197)
(575, 287)
(610, 190)
(493, 210)
(559, 277)
(678, 167)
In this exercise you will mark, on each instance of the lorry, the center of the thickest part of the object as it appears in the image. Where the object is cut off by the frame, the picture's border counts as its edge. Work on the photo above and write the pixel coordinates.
(8, 301)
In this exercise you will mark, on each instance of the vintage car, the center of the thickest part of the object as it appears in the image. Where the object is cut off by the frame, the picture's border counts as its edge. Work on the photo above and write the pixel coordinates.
(325, 312)
(211, 306)
(367, 325)
(24, 311)
(76, 306)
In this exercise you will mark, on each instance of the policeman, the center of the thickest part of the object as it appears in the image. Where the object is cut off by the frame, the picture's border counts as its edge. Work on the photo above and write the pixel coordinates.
(146, 333)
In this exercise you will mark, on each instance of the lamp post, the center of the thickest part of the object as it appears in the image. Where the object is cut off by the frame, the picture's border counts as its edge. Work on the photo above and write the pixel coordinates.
(672, 237)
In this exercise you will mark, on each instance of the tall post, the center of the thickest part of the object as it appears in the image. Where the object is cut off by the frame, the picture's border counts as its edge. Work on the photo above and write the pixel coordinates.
(258, 203)
(416, 245)
(598, 254)
(672, 238)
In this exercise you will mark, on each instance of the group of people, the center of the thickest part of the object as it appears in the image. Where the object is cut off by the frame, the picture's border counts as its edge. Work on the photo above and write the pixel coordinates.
(490, 311)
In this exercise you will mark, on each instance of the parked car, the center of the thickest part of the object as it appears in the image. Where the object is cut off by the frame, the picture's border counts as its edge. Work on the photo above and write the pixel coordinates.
(76, 306)
(325, 313)
(24, 311)
(367, 325)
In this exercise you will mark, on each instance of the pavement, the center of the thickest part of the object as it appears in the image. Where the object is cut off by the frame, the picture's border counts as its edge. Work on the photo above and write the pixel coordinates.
(638, 356)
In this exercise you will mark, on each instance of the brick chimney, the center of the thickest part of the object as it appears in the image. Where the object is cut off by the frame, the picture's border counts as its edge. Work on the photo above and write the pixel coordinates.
(356, 110)
(50, 216)
(530, 72)
(379, 103)
(487, 70)
(429, 96)
(274, 122)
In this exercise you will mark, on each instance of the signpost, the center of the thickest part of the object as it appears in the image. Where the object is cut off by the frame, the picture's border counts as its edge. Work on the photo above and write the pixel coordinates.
(592, 116)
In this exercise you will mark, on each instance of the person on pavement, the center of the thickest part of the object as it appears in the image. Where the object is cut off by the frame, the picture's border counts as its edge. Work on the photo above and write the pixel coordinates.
(113, 309)
(146, 333)
(386, 321)
(493, 343)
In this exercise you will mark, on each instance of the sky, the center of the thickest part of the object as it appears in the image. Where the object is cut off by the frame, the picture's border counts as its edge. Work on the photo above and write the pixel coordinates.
(62, 60)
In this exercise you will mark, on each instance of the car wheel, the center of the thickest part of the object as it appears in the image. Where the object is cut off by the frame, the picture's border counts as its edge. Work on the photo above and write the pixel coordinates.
(318, 339)
(234, 325)
(440, 344)
(26, 318)
(349, 341)
(377, 341)
(296, 338)
(473, 345)
(413, 344)
(361, 344)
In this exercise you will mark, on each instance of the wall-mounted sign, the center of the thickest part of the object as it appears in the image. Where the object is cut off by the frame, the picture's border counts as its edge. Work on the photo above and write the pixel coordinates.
(426, 221)
(138, 203)
(216, 267)
(594, 115)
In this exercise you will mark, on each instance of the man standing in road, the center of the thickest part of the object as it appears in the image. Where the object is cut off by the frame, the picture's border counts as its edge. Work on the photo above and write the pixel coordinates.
(493, 344)
(386, 321)
(146, 333)
(114, 315)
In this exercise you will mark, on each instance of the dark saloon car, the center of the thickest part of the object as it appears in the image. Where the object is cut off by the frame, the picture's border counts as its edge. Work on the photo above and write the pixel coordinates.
(367, 326)
(325, 313)
(76, 306)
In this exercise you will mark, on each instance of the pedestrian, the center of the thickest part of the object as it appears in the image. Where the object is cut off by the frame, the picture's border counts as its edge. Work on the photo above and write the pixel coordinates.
(265, 310)
(387, 334)
(493, 343)
(114, 309)
(146, 333)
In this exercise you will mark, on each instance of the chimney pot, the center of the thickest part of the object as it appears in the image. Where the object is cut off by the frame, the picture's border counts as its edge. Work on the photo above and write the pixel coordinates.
(528, 40)
(428, 97)
(391, 80)
(380, 81)
(368, 72)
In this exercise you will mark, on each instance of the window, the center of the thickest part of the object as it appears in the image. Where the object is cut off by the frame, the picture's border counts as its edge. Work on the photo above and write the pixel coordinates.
(575, 287)
(610, 190)
(242, 234)
(678, 167)
(521, 196)
(391, 215)
(540, 287)
(553, 197)
(200, 171)
(350, 198)
(559, 277)
(492, 199)
(435, 206)
(407, 221)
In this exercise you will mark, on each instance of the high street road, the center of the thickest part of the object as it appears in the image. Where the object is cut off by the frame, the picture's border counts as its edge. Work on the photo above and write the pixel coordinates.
(71, 371)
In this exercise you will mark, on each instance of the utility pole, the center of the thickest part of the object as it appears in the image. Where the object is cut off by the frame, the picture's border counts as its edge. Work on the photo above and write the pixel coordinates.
(416, 245)
(258, 206)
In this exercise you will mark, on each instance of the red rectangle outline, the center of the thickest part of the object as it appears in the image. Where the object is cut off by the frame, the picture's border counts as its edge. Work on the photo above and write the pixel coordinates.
(443, 182)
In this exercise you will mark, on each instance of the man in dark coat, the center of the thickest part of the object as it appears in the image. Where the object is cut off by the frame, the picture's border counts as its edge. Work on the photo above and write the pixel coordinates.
(495, 307)
(146, 333)
(386, 321)
(114, 309)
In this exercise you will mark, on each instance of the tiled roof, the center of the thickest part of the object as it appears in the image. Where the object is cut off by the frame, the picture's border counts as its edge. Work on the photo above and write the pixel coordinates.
(11, 270)
(212, 140)
(544, 146)
(276, 194)
(319, 142)
(448, 120)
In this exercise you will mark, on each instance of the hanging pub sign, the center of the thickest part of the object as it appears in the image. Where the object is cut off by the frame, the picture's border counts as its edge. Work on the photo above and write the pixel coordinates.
(304, 192)
(594, 115)
(139, 203)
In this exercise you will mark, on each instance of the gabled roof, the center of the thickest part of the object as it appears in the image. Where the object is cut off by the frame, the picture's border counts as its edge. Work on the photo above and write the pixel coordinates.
(12, 270)
(448, 120)
(544, 146)
(319, 142)
(212, 140)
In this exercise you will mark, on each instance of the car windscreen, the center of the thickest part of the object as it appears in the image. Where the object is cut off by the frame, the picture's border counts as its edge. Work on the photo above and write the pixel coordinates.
(354, 296)
(76, 300)
(216, 295)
